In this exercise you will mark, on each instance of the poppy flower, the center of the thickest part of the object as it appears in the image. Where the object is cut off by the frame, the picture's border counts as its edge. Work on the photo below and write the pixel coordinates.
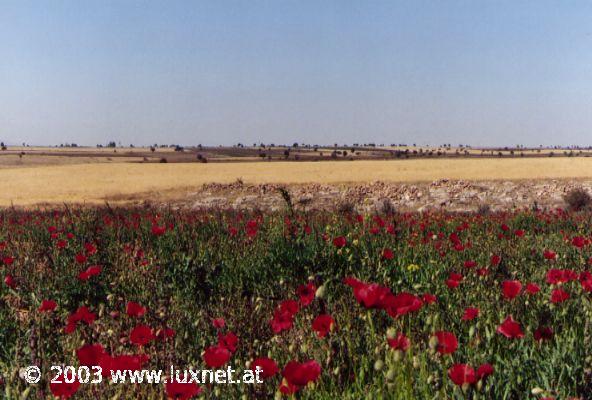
(47, 306)
(495, 260)
(454, 280)
(267, 366)
(370, 295)
(543, 333)
(399, 342)
(510, 328)
(63, 390)
(229, 341)
(532, 288)
(560, 276)
(462, 374)
(122, 362)
(559, 296)
(578, 242)
(585, 279)
(306, 293)
(134, 309)
(90, 272)
(323, 324)
(82, 314)
(165, 333)
(9, 281)
(218, 323)
(470, 264)
(549, 255)
(470, 314)
(90, 354)
(511, 289)
(388, 254)
(300, 374)
(80, 258)
(141, 335)
(158, 230)
(8, 260)
(484, 371)
(339, 242)
(216, 356)
(429, 298)
(90, 249)
(283, 316)
(182, 391)
(402, 304)
(446, 343)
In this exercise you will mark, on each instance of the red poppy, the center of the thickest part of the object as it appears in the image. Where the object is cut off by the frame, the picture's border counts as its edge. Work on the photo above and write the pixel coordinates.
(454, 280)
(543, 333)
(447, 342)
(283, 317)
(90, 272)
(532, 288)
(323, 324)
(402, 304)
(229, 341)
(182, 391)
(90, 354)
(579, 242)
(586, 281)
(218, 323)
(141, 335)
(122, 362)
(510, 328)
(9, 281)
(47, 306)
(216, 356)
(63, 390)
(399, 342)
(8, 260)
(484, 371)
(470, 264)
(511, 289)
(90, 249)
(495, 260)
(80, 258)
(339, 242)
(306, 293)
(370, 295)
(549, 255)
(470, 314)
(560, 276)
(300, 374)
(388, 254)
(158, 230)
(462, 374)
(82, 314)
(559, 296)
(267, 366)
(429, 298)
(134, 309)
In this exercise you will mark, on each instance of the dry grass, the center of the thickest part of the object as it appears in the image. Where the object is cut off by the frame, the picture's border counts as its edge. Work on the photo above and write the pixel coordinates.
(94, 183)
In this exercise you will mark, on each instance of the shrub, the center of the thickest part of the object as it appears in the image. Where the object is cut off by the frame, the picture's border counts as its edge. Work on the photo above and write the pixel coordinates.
(577, 199)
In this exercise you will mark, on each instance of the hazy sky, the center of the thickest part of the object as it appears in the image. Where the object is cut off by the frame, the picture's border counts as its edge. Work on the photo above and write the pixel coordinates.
(223, 72)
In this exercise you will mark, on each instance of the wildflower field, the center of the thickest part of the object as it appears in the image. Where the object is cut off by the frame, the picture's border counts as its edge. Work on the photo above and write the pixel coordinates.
(329, 306)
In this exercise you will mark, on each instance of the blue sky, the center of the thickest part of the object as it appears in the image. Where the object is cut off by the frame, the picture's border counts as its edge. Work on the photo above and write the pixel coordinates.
(223, 72)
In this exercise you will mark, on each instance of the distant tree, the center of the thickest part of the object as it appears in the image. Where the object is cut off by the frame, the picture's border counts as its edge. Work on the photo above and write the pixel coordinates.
(112, 144)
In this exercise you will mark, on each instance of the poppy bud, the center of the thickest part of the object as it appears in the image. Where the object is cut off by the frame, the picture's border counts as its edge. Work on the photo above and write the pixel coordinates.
(304, 348)
(471, 331)
(391, 333)
(398, 355)
(278, 396)
(465, 387)
(390, 375)
(378, 364)
(537, 391)
(320, 293)
(336, 371)
(479, 385)
(416, 362)
(433, 343)
(248, 364)
(291, 348)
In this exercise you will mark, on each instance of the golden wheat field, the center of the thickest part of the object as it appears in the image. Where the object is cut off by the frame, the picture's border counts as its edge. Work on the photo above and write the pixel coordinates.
(118, 182)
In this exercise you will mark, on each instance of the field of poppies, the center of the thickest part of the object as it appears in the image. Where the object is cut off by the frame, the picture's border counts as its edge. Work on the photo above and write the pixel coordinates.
(401, 306)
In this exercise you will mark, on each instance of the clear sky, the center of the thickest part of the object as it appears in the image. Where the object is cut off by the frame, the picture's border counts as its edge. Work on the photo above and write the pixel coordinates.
(223, 72)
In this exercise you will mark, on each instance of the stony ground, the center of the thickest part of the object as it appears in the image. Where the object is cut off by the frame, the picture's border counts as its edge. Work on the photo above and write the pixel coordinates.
(450, 195)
